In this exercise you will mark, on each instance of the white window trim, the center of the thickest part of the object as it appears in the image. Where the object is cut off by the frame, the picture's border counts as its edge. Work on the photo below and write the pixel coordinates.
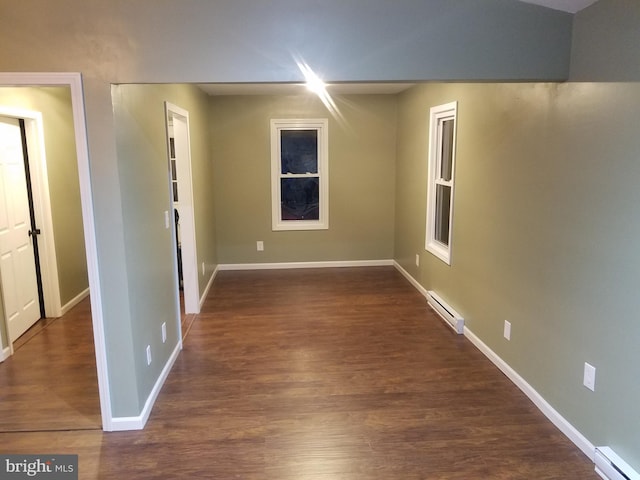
(322, 126)
(437, 116)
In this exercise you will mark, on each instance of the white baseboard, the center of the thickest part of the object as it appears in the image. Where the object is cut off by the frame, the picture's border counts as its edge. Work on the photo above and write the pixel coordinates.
(120, 424)
(558, 420)
(208, 287)
(75, 301)
(412, 280)
(289, 265)
(5, 353)
(552, 414)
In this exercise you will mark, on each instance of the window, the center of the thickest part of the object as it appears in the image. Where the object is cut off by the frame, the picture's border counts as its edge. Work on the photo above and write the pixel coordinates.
(299, 174)
(174, 167)
(442, 142)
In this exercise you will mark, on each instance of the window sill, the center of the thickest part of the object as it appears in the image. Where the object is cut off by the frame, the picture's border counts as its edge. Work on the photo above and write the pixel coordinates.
(298, 225)
(442, 253)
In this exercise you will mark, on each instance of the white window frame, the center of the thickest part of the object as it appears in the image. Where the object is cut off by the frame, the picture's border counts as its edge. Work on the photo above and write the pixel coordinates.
(438, 115)
(321, 125)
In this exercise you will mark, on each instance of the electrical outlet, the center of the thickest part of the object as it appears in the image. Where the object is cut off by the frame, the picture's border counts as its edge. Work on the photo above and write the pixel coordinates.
(203, 269)
(260, 245)
(417, 260)
(589, 380)
(507, 330)
(148, 354)
(166, 219)
(164, 332)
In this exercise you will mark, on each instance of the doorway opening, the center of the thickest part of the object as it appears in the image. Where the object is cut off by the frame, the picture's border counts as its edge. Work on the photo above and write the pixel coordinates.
(179, 161)
(22, 300)
(73, 82)
(40, 205)
(32, 271)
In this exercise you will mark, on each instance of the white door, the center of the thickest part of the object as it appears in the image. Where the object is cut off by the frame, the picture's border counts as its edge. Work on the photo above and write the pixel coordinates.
(17, 261)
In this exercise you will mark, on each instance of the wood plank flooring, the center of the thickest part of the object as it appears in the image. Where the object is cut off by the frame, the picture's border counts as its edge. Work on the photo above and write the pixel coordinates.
(337, 374)
(50, 382)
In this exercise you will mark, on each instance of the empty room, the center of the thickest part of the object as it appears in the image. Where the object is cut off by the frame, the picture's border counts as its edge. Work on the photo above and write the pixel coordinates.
(346, 240)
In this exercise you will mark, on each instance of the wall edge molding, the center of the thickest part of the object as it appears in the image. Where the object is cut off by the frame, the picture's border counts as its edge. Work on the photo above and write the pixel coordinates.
(411, 280)
(292, 265)
(74, 301)
(5, 353)
(121, 424)
(203, 297)
(545, 407)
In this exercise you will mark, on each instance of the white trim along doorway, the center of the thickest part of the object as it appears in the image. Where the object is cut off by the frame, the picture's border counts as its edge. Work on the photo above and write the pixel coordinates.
(74, 82)
(179, 161)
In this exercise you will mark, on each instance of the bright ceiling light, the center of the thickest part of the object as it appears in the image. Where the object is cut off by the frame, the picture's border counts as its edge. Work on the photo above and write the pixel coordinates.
(313, 82)
(317, 86)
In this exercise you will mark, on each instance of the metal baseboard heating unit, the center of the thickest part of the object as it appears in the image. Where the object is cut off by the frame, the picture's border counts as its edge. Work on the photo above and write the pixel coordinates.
(449, 315)
(611, 467)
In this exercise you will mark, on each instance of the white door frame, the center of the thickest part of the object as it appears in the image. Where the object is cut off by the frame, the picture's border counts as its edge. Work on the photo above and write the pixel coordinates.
(74, 82)
(42, 206)
(187, 217)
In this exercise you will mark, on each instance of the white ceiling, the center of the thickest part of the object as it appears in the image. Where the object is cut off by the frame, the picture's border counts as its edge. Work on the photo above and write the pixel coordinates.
(571, 6)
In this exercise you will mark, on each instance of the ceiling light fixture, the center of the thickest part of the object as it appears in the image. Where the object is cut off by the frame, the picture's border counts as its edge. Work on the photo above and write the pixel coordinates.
(313, 82)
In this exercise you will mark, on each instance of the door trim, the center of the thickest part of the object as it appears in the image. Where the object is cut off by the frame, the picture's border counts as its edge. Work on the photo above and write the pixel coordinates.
(42, 205)
(74, 82)
(187, 219)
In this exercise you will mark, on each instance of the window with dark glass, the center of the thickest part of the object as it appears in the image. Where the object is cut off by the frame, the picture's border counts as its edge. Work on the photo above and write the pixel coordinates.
(442, 137)
(299, 174)
(300, 182)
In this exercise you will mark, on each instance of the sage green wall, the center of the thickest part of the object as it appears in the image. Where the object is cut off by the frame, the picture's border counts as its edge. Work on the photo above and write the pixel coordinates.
(545, 233)
(144, 173)
(605, 42)
(64, 189)
(361, 179)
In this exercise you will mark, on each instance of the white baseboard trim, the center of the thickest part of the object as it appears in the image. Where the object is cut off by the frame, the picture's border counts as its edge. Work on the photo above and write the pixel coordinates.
(412, 280)
(120, 424)
(74, 301)
(291, 265)
(5, 353)
(558, 420)
(208, 287)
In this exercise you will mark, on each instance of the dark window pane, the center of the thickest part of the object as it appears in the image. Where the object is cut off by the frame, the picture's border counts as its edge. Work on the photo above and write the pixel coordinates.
(447, 150)
(175, 191)
(300, 198)
(174, 172)
(443, 210)
(299, 151)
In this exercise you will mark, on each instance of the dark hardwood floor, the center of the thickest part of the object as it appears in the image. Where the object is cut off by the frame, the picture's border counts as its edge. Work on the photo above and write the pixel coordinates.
(50, 382)
(337, 374)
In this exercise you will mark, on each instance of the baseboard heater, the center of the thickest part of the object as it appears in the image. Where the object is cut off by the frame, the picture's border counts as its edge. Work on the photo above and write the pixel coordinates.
(611, 467)
(448, 314)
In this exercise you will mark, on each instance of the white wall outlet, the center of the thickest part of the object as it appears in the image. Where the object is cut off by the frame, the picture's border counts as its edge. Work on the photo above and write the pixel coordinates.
(260, 245)
(589, 380)
(203, 269)
(417, 260)
(148, 354)
(166, 219)
(507, 330)
(164, 332)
